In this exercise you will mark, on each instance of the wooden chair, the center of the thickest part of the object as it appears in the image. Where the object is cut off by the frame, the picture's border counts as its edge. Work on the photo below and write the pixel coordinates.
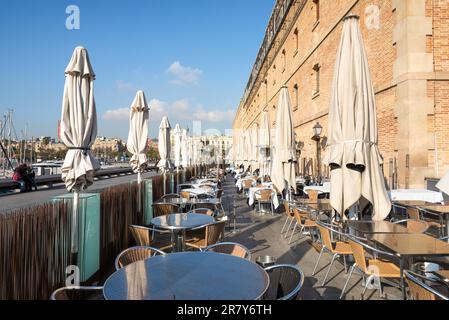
(210, 235)
(78, 293)
(205, 211)
(374, 268)
(415, 214)
(171, 196)
(420, 290)
(313, 195)
(163, 209)
(335, 248)
(185, 195)
(232, 248)
(145, 236)
(135, 254)
(303, 221)
(247, 184)
(414, 226)
(264, 196)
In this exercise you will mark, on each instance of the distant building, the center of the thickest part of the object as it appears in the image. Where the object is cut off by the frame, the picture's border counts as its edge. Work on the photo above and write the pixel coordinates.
(102, 144)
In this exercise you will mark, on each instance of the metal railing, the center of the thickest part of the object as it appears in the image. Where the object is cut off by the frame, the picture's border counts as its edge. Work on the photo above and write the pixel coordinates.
(49, 180)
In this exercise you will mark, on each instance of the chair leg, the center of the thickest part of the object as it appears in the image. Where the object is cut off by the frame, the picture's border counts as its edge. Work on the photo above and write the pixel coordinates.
(285, 224)
(347, 281)
(294, 228)
(289, 226)
(300, 235)
(291, 237)
(344, 262)
(319, 257)
(329, 269)
(366, 287)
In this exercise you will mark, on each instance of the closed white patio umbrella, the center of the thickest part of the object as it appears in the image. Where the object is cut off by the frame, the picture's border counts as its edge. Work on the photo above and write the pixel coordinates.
(78, 130)
(138, 134)
(178, 136)
(254, 149)
(185, 154)
(265, 143)
(164, 146)
(284, 153)
(353, 153)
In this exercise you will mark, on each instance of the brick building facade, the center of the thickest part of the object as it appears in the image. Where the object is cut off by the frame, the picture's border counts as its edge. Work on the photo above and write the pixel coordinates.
(407, 43)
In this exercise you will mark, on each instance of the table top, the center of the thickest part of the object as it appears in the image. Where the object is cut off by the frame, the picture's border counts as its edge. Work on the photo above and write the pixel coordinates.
(412, 203)
(412, 244)
(436, 209)
(372, 227)
(188, 276)
(183, 201)
(415, 195)
(180, 221)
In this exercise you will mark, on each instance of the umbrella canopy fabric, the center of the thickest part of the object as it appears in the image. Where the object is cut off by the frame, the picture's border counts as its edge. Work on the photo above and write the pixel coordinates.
(254, 149)
(283, 172)
(164, 145)
(353, 154)
(78, 128)
(185, 149)
(178, 136)
(265, 142)
(138, 132)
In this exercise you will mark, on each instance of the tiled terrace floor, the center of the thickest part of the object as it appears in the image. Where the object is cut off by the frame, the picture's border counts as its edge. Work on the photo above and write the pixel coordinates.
(261, 234)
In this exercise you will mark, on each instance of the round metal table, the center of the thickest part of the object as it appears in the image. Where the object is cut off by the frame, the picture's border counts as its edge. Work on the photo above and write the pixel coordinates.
(178, 223)
(188, 276)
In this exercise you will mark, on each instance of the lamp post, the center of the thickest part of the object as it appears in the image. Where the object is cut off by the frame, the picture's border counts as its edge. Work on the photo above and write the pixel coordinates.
(317, 130)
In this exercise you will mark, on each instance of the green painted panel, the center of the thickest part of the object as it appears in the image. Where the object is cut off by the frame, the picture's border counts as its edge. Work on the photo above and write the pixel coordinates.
(89, 232)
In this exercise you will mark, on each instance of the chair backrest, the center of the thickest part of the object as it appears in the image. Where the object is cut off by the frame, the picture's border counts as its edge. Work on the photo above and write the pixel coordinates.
(208, 206)
(183, 186)
(417, 226)
(312, 194)
(135, 254)
(214, 231)
(163, 209)
(285, 282)
(359, 254)
(171, 196)
(325, 236)
(300, 215)
(185, 194)
(78, 293)
(413, 213)
(247, 183)
(287, 208)
(263, 194)
(142, 235)
(232, 248)
(419, 290)
(205, 211)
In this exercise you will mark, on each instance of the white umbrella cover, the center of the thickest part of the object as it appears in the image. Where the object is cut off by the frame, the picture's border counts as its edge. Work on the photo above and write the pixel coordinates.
(178, 136)
(284, 152)
(78, 128)
(164, 145)
(353, 154)
(185, 149)
(138, 132)
(265, 142)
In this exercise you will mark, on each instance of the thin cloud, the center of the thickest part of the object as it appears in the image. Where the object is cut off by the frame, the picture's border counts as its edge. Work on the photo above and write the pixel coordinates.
(184, 76)
(125, 86)
(116, 114)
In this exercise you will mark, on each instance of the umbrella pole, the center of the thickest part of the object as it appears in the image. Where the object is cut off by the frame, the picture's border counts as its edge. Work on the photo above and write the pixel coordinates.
(74, 235)
(165, 184)
(139, 192)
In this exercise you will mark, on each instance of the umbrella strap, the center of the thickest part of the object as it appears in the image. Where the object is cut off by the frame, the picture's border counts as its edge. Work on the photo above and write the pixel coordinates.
(80, 148)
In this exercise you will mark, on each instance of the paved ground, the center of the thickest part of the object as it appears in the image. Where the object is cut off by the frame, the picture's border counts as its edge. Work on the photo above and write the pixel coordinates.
(261, 234)
(16, 200)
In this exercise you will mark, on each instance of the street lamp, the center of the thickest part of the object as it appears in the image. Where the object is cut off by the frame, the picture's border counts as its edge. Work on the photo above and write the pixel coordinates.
(317, 130)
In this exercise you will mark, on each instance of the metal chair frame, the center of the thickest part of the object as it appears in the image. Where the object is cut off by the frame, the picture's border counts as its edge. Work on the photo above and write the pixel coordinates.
(294, 293)
(259, 202)
(80, 288)
(117, 259)
(212, 246)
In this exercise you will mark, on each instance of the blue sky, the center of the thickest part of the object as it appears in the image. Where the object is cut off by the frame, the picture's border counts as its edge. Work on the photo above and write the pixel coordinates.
(191, 57)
